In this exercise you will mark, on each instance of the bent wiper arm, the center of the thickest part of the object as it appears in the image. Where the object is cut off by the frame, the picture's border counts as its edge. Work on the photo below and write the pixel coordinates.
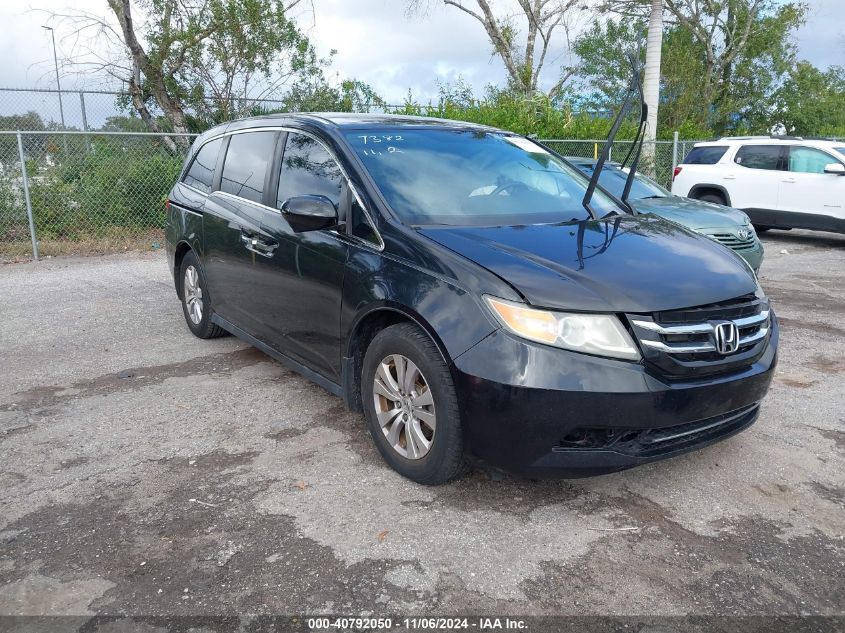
(637, 145)
(633, 87)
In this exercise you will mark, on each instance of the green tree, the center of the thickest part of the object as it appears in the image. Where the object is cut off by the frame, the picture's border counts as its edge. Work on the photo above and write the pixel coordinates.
(34, 145)
(252, 49)
(812, 101)
(209, 58)
(535, 115)
(316, 95)
(722, 61)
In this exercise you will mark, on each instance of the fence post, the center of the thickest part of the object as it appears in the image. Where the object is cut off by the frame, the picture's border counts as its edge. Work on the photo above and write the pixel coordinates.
(674, 153)
(27, 199)
(84, 120)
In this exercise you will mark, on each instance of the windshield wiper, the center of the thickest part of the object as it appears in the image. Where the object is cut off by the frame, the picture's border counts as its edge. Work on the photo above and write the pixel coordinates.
(637, 145)
(634, 87)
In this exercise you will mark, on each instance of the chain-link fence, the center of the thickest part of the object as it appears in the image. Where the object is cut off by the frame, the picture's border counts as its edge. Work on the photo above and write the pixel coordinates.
(68, 193)
(64, 192)
(84, 110)
(657, 160)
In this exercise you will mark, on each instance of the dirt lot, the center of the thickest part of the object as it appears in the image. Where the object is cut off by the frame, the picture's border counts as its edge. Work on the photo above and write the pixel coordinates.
(143, 471)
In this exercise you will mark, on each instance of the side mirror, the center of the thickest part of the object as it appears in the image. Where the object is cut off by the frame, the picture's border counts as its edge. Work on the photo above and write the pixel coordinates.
(309, 213)
(835, 168)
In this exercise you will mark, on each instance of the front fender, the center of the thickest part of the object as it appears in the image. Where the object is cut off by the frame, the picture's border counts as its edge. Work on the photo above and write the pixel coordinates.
(451, 315)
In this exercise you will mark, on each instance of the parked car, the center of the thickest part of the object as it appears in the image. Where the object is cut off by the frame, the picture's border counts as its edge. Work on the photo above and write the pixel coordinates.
(780, 182)
(446, 279)
(727, 226)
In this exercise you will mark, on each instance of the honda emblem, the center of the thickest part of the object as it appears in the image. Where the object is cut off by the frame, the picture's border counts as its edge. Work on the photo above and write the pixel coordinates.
(727, 337)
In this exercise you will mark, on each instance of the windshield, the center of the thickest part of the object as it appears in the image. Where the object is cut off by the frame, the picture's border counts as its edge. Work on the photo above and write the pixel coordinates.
(460, 178)
(841, 150)
(613, 179)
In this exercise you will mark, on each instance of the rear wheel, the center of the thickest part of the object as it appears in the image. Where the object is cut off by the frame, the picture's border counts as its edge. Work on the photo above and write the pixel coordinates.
(712, 197)
(196, 304)
(411, 406)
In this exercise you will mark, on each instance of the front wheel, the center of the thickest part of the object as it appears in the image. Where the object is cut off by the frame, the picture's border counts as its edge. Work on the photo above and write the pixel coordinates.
(411, 406)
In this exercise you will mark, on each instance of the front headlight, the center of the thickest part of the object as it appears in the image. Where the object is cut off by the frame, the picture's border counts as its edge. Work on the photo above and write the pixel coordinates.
(599, 334)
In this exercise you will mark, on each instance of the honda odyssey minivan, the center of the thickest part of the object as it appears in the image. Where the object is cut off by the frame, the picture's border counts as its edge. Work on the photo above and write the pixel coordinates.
(453, 283)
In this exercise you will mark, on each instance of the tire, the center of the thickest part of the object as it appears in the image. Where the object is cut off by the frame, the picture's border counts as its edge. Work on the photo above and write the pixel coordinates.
(761, 229)
(713, 197)
(443, 459)
(196, 301)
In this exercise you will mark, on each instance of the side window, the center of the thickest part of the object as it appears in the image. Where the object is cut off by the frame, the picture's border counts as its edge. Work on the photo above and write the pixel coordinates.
(201, 172)
(707, 155)
(807, 160)
(308, 169)
(758, 156)
(246, 163)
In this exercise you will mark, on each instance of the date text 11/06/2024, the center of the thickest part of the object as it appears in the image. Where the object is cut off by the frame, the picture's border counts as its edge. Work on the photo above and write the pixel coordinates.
(415, 624)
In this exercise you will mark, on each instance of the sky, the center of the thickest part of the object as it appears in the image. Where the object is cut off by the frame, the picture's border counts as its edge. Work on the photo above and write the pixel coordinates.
(376, 42)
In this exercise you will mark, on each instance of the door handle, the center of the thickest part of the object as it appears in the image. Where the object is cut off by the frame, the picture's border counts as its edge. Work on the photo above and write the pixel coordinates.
(252, 242)
(790, 180)
(730, 177)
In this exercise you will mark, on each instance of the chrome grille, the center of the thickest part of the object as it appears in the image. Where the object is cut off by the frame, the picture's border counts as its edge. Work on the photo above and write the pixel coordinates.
(684, 342)
(731, 240)
(698, 338)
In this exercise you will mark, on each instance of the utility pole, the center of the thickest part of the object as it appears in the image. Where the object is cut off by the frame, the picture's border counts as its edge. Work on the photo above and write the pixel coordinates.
(58, 81)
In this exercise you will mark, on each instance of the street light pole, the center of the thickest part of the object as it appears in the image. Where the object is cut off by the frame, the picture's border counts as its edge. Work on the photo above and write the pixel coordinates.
(58, 82)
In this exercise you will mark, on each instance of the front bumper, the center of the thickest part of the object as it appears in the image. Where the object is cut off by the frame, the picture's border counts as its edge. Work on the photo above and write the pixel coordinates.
(540, 411)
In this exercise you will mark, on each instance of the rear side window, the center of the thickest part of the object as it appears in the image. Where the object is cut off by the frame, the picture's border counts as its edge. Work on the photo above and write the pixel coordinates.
(708, 155)
(246, 164)
(807, 160)
(201, 172)
(758, 156)
(308, 169)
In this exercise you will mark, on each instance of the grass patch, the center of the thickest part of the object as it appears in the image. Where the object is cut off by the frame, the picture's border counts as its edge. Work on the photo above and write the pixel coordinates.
(115, 240)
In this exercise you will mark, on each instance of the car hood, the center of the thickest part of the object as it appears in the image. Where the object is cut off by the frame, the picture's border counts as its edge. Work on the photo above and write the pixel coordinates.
(621, 264)
(695, 214)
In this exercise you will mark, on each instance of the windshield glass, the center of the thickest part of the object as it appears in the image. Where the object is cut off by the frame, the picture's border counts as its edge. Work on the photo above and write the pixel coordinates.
(613, 179)
(841, 150)
(460, 178)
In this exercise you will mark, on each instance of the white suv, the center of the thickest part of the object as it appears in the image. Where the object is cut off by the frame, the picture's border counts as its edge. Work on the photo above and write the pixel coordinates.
(780, 182)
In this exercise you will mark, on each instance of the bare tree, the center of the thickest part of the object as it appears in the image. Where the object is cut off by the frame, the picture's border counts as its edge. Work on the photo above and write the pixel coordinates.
(153, 73)
(540, 20)
(188, 54)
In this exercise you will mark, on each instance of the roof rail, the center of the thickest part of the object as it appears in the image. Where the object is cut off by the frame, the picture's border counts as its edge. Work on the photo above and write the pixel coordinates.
(773, 137)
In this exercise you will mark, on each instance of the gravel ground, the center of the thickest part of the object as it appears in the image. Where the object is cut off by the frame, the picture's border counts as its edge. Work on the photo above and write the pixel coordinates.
(143, 471)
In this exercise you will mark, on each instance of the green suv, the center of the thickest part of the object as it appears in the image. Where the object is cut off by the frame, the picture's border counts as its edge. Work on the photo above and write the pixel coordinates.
(730, 227)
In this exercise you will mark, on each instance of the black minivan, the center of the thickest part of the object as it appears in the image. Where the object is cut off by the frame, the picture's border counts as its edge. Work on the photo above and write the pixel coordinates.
(450, 281)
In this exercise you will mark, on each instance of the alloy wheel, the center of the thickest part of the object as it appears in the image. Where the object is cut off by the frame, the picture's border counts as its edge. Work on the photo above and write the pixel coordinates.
(193, 294)
(404, 406)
